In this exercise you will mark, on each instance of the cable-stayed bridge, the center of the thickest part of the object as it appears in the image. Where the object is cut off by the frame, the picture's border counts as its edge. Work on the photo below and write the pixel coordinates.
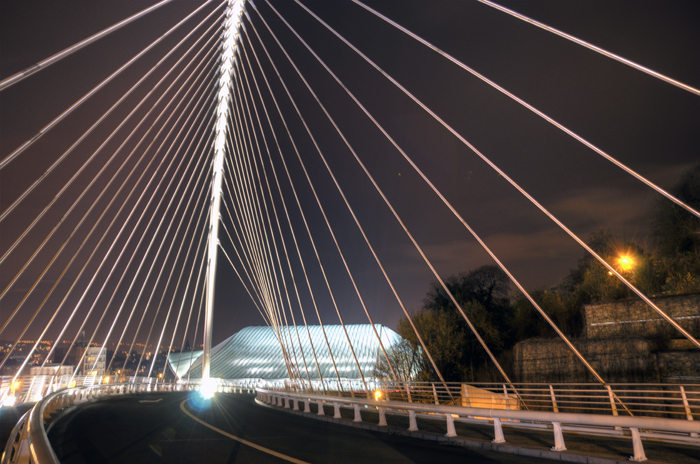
(174, 172)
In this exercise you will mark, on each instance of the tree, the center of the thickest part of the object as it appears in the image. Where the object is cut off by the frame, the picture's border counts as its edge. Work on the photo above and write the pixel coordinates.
(489, 287)
(482, 295)
(405, 358)
(675, 230)
(676, 234)
(444, 339)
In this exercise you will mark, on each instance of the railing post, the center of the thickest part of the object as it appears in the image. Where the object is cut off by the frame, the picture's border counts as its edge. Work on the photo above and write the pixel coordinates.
(358, 417)
(412, 424)
(435, 393)
(554, 399)
(558, 438)
(612, 404)
(296, 404)
(688, 412)
(382, 417)
(320, 408)
(498, 431)
(505, 394)
(336, 408)
(451, 432)
(637, 446)
(307, 407)
(465, 395)
(286, 402)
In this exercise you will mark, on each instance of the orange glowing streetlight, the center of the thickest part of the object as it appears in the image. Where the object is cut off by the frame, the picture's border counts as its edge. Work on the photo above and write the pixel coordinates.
(626, 262)
(377, 395)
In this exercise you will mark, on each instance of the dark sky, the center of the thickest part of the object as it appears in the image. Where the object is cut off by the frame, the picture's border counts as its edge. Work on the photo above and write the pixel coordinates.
(647, 124)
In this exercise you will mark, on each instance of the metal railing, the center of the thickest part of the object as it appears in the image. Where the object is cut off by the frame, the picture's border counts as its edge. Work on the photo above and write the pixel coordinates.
(677, 401)
(29, 389)
(639, 427)
(669, 409)
(673, 400)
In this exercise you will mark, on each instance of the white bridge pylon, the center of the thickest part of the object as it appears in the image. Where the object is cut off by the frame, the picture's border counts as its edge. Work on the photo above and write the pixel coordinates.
(232, 24)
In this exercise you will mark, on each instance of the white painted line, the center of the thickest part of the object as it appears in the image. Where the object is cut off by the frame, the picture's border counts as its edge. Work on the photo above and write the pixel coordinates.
(241, 440)
(150, 401)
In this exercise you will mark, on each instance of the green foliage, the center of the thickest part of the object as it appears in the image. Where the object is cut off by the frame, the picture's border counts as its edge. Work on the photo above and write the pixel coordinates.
(675, 230)
(528, 323)
(405, 358)
(676, 234)
(482, 295)
(444, 340)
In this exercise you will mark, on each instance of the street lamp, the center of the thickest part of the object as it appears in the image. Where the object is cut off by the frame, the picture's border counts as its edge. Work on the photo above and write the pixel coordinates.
(626, 262)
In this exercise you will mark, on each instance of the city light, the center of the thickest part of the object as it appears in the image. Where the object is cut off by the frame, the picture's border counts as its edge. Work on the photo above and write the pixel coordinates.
(377, 395)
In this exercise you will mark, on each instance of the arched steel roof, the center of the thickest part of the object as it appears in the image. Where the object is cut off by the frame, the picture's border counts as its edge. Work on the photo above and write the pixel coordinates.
(255, 352)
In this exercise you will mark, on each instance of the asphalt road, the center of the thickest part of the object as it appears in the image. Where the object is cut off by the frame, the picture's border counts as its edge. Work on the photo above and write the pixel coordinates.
(159, 428)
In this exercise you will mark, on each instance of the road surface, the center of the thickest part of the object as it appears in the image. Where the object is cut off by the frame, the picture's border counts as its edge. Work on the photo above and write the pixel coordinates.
(162, 428)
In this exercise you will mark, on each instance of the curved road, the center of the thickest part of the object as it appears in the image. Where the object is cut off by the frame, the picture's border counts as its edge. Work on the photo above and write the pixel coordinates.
(168, 428)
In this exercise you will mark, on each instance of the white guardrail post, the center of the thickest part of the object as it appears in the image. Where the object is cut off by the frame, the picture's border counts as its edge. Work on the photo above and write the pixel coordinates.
(664, 428)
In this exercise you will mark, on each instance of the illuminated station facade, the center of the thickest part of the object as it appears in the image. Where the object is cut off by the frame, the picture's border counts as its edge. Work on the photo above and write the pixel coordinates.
(254, 356)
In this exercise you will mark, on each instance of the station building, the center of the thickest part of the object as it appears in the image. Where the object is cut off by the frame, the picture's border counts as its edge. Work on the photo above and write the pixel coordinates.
(254, 354)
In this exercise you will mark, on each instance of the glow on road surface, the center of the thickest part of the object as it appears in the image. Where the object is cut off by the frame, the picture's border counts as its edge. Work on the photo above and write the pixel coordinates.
(241, 440)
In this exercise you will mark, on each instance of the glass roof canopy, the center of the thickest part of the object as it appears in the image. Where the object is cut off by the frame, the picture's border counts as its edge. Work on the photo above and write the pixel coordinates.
(255, 353)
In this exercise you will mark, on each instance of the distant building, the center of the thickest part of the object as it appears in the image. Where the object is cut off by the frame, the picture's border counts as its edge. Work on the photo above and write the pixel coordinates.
(95, 361)
(72, 357)
(51, 369)
(88, 359)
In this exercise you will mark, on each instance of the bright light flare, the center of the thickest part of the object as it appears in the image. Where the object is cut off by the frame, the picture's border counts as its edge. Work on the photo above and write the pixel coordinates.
(208, 388)
(106, 379)
(626, 262)
(377, 395)
(16, 384)
(72, 384)
(9, 401)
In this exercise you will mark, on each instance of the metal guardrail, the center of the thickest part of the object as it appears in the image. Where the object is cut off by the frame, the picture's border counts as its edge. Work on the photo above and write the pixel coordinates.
(639, 427)
(671, 400)
(29, 389)
(679, 401)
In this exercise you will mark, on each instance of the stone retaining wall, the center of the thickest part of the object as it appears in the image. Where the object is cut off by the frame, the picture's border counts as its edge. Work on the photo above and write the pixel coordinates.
(634, 318)
(617, 360)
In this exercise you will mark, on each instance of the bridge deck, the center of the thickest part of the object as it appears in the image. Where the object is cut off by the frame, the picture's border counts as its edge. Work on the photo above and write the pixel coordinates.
(150, 428)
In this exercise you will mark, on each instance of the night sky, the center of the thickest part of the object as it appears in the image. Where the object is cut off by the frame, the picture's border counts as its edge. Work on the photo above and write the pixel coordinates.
(651, 126)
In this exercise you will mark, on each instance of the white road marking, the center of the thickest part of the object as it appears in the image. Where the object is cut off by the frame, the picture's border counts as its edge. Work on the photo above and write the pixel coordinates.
(241, 440)
(150, 401)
